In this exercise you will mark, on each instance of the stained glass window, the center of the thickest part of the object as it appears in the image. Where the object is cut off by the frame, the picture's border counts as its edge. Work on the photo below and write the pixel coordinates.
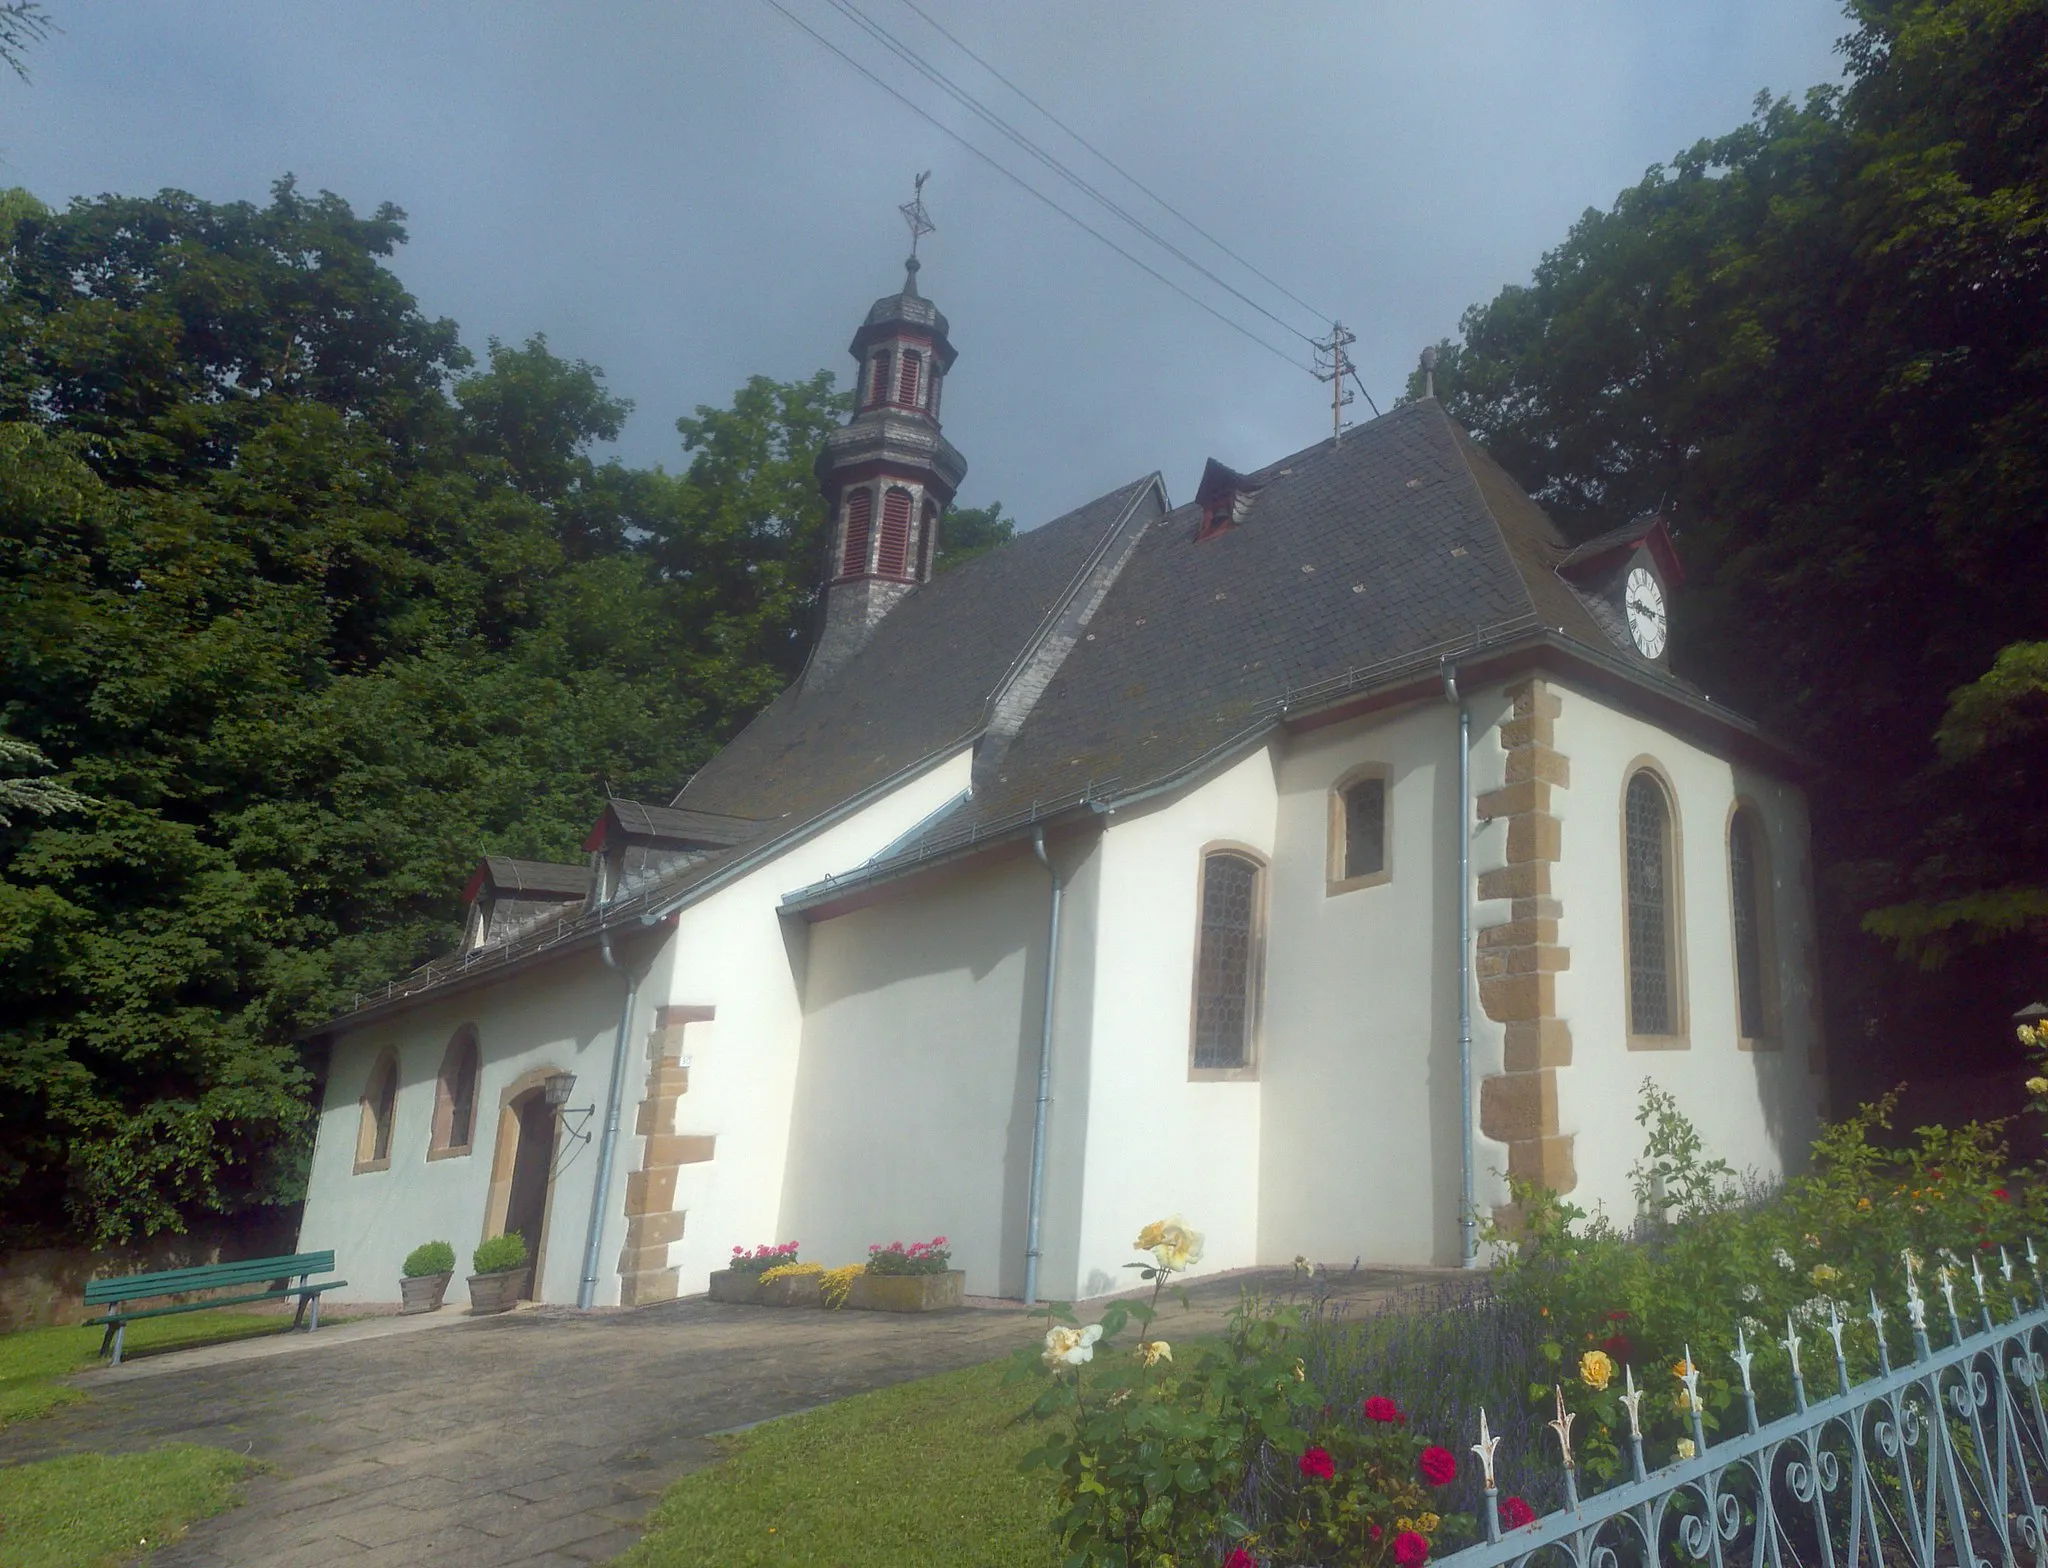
(1226, 961)
(1649, 907)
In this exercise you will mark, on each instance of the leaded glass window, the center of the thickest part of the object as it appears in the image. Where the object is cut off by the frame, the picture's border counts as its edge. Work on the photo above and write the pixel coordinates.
(1650, 914)
(1365, 828)
(1226, 961)
(1745, 862)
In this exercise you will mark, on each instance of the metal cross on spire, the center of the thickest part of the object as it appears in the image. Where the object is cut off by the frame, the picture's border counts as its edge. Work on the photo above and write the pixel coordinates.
(914, 214)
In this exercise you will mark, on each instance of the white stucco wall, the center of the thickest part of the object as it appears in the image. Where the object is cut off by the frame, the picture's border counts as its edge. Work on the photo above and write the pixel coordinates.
(560, 1016)
(1755, 1109)
(736, 953)
(1158, 1143)
(919, 1073)
(1360, 1074)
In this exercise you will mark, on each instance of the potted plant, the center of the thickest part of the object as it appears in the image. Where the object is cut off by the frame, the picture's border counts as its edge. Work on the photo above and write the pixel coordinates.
(740, 1279)
(916, 1278)
(423, 1277)
(500, 1274)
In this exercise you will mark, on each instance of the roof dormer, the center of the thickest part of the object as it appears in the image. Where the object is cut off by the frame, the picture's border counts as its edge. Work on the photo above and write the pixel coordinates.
(1224, 496)
(632, 843)
(507, 896)
(1625, 579)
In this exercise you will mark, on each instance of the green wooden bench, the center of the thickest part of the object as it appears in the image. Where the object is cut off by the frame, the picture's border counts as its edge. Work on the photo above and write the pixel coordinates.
(271, 1276)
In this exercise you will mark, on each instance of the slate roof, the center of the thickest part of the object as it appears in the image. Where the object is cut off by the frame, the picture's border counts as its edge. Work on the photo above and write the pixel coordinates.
(531, 878)
(921, 683)
(665, 824)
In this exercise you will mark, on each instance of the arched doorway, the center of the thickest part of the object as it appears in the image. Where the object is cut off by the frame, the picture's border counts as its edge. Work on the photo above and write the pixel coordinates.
(523, 1171)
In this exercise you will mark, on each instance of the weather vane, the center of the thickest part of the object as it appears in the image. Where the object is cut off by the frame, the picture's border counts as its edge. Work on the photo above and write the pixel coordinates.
(914, 214)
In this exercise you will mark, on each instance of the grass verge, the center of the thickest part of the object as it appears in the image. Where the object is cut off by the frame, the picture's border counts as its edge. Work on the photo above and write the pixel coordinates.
(32, 1360)
(925, 1472)
(92, 1510)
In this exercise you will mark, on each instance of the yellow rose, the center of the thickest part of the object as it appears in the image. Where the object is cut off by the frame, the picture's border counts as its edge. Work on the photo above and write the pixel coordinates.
(1685, 1448)
(1174, 1247)
(1596, 1369)
(1825, 1274)
(1154, 1351)
(2037, 1086)
(1427, 1523)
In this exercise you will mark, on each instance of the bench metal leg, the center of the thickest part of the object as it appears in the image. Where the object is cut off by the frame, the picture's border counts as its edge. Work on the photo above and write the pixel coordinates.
(313, 1327)
(107, 1339)
(120, 1333)
(299, 1317)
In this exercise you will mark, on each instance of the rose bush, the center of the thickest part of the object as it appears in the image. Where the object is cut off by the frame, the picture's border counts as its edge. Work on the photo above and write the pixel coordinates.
(920, 1257)
(763, 1258)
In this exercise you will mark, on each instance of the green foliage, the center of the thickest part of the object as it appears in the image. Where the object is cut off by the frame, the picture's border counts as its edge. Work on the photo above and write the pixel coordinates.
(499, 1254)
(1169, 1455)
(429, 1258)
(969, 531)
(1728, 1261)
(31, 795)
(22, 24)
(1820, 344)
(1675, 1174)
(314, 612)
(96, 1510)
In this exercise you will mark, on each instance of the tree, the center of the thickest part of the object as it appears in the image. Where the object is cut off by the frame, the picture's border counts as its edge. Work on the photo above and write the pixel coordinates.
(969, 531)
(1820, 344)
(23, 24)
(315, 612)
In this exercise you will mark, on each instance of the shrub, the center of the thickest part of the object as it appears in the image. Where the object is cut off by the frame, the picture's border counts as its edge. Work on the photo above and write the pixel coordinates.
(429, 1257)
(920, 1257)
(790, 1271)
(763, 1258)
(499, 1255)
(833, 1284)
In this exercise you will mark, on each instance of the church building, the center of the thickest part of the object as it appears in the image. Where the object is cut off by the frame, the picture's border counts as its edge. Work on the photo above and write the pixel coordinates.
(1306, 858)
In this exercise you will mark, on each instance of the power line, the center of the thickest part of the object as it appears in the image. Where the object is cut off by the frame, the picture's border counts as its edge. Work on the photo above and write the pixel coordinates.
(976, 107)
(940, 28)
(1028, 187)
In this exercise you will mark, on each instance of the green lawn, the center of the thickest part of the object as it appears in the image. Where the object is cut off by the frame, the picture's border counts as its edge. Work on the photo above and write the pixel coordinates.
(925, 1473)
(33, 1360)
(96, 1509)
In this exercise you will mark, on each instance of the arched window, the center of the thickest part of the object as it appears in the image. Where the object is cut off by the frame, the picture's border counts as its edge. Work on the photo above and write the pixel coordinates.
(892, 552)
(455, 1096)
(378, 1107)
(906, 377)
(1652, 925)
(878, 389)
(1749, 896)
(1227, 962)
(860, 505)
(1358, 829)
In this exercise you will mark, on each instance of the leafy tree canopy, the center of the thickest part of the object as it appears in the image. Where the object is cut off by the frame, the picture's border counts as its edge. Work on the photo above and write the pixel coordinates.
(1820, 344)
(306, 609)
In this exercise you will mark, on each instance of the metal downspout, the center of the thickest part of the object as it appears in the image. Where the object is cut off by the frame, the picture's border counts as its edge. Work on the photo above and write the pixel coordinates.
(607, 1149)
(1052, 965)
(1468, 1219)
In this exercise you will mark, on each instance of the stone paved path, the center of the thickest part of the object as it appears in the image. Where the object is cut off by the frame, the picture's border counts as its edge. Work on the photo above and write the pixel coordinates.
(539, 1439)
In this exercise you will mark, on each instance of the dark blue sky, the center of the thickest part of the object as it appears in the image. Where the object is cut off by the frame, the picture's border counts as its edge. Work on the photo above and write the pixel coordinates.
(690, 193)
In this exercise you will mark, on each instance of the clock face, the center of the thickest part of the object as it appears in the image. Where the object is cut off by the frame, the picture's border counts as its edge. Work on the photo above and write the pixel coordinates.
(1643, 600)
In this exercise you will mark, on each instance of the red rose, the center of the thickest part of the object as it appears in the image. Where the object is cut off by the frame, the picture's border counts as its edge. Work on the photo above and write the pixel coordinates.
(1439, 1466)
(1240, 1558)
(1619, 1346)
(1617, 1317)
(1382, 1409)
(1410, 1550)
(1514, 1513)
(1317, 1465)
(2001, 1195)
(1373, 1531)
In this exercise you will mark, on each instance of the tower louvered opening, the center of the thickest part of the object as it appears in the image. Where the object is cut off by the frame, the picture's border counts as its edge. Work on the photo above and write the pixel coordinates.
(892, 556)
(859, 518)
(906, 377)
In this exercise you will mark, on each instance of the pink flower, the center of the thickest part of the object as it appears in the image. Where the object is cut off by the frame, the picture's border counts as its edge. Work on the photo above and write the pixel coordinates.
(1240, 1558)
(1410, 1550)
(1439, 1466)
(1317, 1465)
(1382, 1409)
(1514, 1513)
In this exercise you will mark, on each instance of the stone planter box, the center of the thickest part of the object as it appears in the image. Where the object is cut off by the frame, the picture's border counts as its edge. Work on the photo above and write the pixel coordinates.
(422, 1293)
(797, 1290)
(907, 1292)
(496, 1292)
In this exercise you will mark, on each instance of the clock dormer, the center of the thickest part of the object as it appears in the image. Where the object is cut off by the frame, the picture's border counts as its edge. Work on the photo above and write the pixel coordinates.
(1625, 579)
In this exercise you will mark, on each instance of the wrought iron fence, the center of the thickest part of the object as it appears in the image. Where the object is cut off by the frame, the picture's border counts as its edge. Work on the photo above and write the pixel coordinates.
(1940, 1459)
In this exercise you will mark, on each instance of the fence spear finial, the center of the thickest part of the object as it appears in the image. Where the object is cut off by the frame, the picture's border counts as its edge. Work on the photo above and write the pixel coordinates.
(1484, 1448)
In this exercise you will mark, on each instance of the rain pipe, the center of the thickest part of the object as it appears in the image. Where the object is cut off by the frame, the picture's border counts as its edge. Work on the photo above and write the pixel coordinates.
(1468, 1237)
(1052, 965)
(608, 1147)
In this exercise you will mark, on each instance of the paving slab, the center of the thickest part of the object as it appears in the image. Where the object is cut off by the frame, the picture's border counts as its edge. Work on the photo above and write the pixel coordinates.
(538, 1438)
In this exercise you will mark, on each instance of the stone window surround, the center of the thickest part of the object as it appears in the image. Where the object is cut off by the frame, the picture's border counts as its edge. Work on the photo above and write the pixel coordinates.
(1773, 1037)
(438, 1146)
(1680, 1036)
(1256, 985)
(1335, 881)
(382, 1084)
(498, 1197)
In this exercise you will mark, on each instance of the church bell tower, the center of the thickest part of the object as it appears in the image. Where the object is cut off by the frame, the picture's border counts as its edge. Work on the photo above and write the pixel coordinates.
(888, 474)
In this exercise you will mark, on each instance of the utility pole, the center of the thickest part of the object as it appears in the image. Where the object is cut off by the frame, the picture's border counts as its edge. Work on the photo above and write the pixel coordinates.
(1333, 365)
